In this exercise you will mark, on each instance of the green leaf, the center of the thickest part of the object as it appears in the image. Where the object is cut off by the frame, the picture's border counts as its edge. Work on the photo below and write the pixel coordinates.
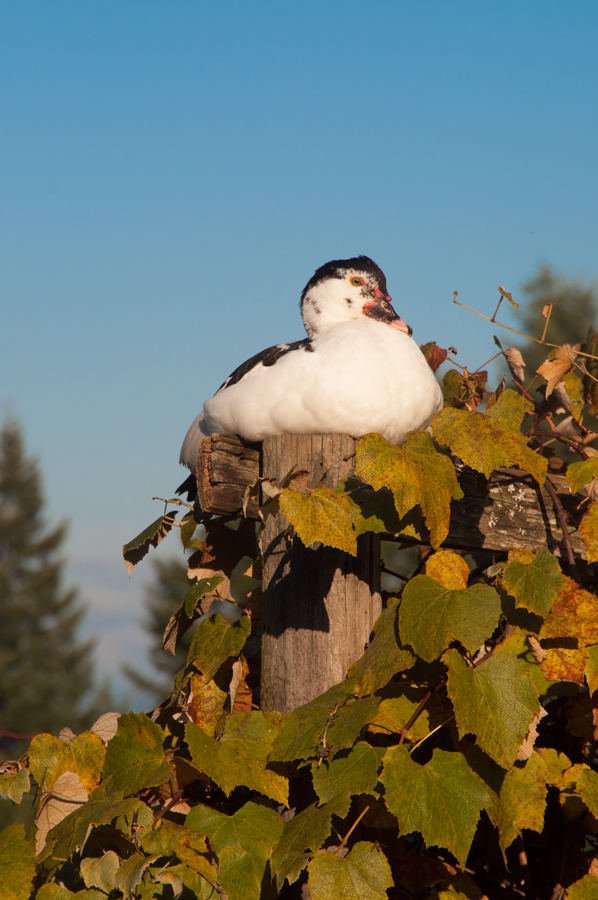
(49, 758)
(334, 717)
(574, 388)
(416, 474)
(431, 616)
(102, 807)
(240, 757)
(584, 889)
(495, 701)
(555, 763)
(486, 441)
(364, 874)
(582, 781)
(154, 534)
(194, 594)
(135, 756)
(581, 473)
(243, 843)
(442, 800)
(13, 786)
(305, 832)
(17, 864)
(215, 640)
(354, 771)
(131, 872)
(384, 657)
(533, 580)
(57, 892)
(189, 845)
(371, 510)
(100, 872)
(521, 802)
(320, 515)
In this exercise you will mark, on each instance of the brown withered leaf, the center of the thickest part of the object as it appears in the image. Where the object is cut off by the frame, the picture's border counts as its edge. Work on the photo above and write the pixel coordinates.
(434, 354)
(154, 534)
(508, 296)
(553, 369)
(527, 746)
(205, 705)
(515, 362)
(590, 386)
(222, 550)
(568, 631)
(67, 795)
(241, 697)
(106, 726)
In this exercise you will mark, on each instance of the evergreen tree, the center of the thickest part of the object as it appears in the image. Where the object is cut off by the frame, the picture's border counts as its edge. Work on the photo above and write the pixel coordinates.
(575, 310)
(163, 596)
(45, 672)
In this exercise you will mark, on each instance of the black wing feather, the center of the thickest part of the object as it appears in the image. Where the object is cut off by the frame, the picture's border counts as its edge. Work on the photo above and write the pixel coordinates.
(265, 358)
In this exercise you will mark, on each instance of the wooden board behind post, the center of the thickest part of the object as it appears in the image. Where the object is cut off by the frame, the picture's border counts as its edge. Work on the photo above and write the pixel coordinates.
(319, 605)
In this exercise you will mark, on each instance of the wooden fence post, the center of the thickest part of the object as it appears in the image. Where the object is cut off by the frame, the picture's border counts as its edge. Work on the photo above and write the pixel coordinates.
(319, 605)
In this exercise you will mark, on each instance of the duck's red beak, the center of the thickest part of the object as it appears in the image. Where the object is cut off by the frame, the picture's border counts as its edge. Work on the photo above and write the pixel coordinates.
(380, 308)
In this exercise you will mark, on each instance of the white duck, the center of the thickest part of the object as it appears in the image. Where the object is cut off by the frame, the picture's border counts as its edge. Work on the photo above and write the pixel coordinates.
(358, 371)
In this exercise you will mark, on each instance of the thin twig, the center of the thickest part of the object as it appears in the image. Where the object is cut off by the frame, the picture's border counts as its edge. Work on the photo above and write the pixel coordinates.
(414, 717)
(563, 524)
(550, 305)
(529, 887)
(430, 733)
(353, 827)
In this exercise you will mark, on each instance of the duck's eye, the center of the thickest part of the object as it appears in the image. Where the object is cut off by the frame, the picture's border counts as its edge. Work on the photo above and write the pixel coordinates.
(356, 281)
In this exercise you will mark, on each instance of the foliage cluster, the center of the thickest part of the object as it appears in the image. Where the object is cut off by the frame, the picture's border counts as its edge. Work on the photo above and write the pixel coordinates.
(458, 756)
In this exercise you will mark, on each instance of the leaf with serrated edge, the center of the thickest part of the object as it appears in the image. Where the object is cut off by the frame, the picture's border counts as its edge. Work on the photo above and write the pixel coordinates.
(364, 874)
(188, 844)
(582, 781)
(13, 786)
(65, 796)
(17, 864)
(215, 640)
(442, 799)
(495, 701)
(353, 772)
(487, 441)
(154, 534)
(320, 515)
(49, 758)
(533, 580)
(100, 872)
(584, 889)
(240, 757)
(522, 801)
(588, 528)
(135, 756)
(384, 657)
(448, 569)
(305, 832)
(581, 473)
(416, 473)
(131, 872)
(571, 627)
(430, 616)
(243, 842)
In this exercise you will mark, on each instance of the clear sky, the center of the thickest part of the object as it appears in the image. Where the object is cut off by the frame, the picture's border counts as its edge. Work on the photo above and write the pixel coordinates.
(173, 173)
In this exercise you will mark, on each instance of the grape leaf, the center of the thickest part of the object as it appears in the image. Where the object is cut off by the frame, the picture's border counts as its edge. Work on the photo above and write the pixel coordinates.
(448, 569)
(581, 473)
(354, 771)
(384, 657)
(154, 534)
(571, 627)
(14, 784)
(130, 873)
(416, 474)
(17, 864)
(240, 757)
(588, 529)
(49, 758)
(215, 640)
(430, 616)
(495, 701)
(584, 889)
(486, 441)
(533, 580)
(363, 874)
(304, 832)
(135, 757)
(190, 845)
(583, 782)
(442, 800)
(521, 802)
(100, 872)
(243, 843)
(320, 515)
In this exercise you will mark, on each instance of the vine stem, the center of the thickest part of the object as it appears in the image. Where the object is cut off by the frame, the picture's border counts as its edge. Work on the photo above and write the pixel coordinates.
(354, 826)
(430, 733)
(415, 715)
(563, 523)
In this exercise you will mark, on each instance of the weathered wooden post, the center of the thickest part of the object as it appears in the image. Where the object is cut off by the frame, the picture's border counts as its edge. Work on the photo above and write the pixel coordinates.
(318, 605)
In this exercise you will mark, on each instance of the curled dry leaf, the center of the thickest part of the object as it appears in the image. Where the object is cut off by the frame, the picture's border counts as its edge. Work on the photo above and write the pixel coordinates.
(538, 652)
(554, 369)
(67, 795)
(515, 362)
(527, 746)
(66, 734)
(105, 727)
(508, 296)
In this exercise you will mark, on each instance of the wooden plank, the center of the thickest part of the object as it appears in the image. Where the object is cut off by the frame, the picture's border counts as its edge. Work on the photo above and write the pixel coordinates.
(510, 512)
(318, 605)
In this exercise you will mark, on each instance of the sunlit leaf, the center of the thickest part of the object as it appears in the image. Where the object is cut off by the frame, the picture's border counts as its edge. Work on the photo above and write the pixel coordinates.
(534, 580)
(522, 801)
(384, 657)
(320, 515)
(305, 832)
(17, 864)
(215, 640)
(353, 771)
(135, 756)
(442, 799)
(581, 473)
(14, 784)
(570, 628)
(154, 534)
(588, 529)
(363, 874)
(449, 569)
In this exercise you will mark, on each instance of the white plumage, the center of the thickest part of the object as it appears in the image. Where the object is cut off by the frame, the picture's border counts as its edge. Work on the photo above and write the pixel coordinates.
(359, 370)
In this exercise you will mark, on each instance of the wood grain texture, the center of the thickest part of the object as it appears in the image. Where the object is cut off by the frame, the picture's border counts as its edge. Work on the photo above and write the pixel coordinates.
(510, 511)
(318, 605)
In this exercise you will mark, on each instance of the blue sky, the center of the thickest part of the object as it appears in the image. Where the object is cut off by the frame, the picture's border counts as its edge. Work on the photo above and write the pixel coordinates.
(173, 173)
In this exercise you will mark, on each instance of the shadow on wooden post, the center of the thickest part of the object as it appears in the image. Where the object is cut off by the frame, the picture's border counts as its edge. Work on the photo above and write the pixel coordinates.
(319, 605)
